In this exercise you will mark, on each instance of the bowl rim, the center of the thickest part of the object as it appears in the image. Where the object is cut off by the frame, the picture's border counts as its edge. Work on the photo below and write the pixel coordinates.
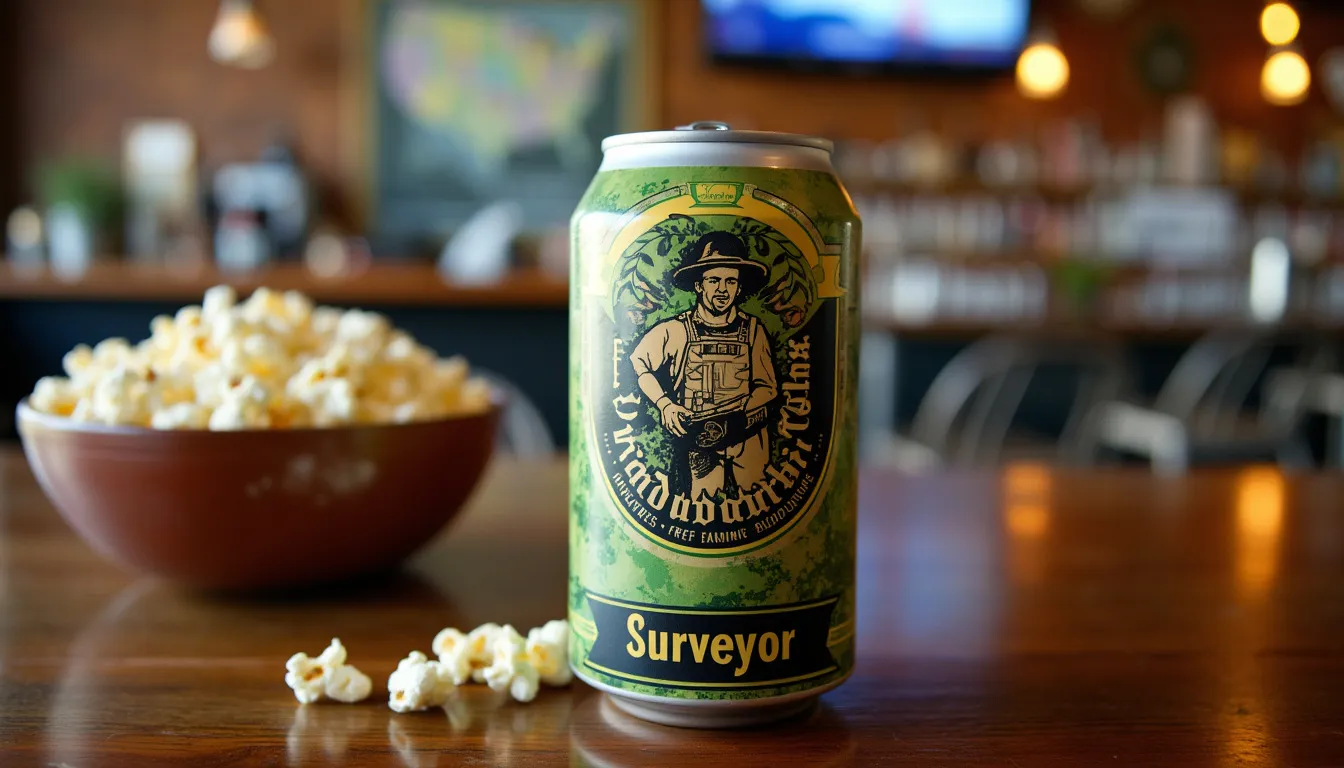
(26, 413)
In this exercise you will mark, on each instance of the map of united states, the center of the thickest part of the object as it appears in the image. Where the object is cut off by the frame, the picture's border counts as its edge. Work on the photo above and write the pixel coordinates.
(494, 82)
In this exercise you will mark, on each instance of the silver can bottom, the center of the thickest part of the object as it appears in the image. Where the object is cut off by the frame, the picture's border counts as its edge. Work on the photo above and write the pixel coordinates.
(680, 715)
(711, 713)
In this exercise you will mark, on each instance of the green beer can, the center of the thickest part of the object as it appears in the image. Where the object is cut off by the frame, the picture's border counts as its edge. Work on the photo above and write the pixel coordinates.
(714, 321)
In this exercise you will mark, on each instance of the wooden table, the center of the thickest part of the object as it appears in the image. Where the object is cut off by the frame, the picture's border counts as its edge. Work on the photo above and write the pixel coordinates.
(1016, 619)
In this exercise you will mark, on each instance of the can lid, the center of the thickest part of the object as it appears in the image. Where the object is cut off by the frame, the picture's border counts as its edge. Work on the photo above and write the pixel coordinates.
(713, 131)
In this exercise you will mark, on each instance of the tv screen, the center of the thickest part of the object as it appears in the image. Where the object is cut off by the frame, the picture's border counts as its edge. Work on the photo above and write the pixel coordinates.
(869, 34)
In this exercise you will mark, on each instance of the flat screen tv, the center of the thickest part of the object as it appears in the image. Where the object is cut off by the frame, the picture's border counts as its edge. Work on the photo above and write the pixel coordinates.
(869, 35)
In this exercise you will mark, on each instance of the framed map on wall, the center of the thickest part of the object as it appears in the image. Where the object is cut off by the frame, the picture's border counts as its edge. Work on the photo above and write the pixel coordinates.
(482, 101)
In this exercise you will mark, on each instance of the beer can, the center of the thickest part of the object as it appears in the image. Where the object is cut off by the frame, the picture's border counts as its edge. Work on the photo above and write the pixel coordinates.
(714, 321)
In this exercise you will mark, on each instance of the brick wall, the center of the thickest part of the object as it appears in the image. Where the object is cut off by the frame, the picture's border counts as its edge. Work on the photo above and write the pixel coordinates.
(83, 68)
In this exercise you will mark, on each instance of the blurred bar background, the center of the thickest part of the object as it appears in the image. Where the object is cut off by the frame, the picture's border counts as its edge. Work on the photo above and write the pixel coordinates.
(1095, 230)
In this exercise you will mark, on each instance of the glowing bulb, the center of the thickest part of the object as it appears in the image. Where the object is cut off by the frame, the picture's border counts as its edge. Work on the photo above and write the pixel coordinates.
(240, 37)
(1285, 79)
(1042, 71)
(1279, 23)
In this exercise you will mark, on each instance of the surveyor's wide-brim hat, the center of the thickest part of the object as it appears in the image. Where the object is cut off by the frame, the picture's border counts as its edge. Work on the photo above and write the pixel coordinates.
(750, 274)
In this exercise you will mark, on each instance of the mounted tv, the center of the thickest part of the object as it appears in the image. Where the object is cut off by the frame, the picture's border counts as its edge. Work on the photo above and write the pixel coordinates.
(869, 35)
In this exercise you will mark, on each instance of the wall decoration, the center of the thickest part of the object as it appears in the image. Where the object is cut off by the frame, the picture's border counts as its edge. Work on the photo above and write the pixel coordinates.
(479, 101)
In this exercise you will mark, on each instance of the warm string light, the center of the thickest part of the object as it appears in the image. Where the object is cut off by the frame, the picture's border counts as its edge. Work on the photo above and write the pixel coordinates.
(1042, 71)
(240, 37)
(1279, 24)
(1285, 78)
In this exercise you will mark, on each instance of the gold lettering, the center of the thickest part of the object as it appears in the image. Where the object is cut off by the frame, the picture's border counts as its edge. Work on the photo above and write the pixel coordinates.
(722, 649)
(732, 509)
(630, 413)
(638, 473)
(798, 404)
(658, 496)
(681, 508)
(788, 638)
(799, 371)
(800, 349)
(756, 501)
(787, 427)
(698, 649)
(704, 509)
(654, 653)
(744, 647)
(678, 640)
(796, 457)
(626, 436)
(787, 477)
(636, 646)
(769, 641)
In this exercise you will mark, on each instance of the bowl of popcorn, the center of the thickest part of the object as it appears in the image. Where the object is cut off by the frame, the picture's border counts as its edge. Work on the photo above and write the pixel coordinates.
(261, 443)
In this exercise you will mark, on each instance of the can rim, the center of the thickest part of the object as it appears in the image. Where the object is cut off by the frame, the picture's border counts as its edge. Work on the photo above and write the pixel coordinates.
(719, 136)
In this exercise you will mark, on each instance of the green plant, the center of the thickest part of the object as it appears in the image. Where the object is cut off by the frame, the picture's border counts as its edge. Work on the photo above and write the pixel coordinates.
(87, 185)
(1080, 282)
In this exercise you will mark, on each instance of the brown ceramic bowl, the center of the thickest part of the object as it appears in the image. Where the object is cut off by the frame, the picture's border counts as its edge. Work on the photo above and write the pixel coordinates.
(256, 509)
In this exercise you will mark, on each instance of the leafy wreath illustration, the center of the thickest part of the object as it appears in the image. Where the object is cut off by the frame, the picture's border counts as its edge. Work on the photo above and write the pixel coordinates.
(643, 293)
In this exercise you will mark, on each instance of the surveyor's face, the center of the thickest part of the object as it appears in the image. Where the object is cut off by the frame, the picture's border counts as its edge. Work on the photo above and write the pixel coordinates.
(718, 288)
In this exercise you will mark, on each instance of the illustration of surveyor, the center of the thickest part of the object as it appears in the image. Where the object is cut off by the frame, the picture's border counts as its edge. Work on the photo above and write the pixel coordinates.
(710, 372)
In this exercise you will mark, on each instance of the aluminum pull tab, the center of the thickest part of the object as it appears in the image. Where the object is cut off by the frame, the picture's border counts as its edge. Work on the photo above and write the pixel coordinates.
(706, 125)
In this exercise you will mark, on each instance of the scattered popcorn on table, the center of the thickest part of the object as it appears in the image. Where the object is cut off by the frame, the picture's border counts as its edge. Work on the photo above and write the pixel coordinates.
(450, 646)
(326, 677)
(504, 660)
(480, 649)
(492, 654)
(511, 671)
(418, 684)
(273, 361)
(548, 652)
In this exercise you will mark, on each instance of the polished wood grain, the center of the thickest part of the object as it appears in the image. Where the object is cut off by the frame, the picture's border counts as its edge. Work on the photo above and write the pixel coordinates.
(1022, 618)
(416, 284)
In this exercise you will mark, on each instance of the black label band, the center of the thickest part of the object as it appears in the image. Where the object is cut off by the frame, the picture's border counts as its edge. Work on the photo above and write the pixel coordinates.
(710, 648)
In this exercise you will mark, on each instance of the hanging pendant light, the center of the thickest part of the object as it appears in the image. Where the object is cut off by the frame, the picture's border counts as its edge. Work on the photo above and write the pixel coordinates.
(1285, 78)
(240, 37)
(1279, 23)
(1042, 69)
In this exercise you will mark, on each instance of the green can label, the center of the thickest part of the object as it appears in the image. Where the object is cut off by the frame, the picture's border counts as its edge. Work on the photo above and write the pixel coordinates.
(713, 499)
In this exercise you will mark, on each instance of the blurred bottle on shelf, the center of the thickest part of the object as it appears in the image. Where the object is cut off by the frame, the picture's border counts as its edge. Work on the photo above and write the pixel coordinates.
(23, 238)
(1185, 204)
(159, 175)
(1189, 154)
(272, 193)
(241, 241)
